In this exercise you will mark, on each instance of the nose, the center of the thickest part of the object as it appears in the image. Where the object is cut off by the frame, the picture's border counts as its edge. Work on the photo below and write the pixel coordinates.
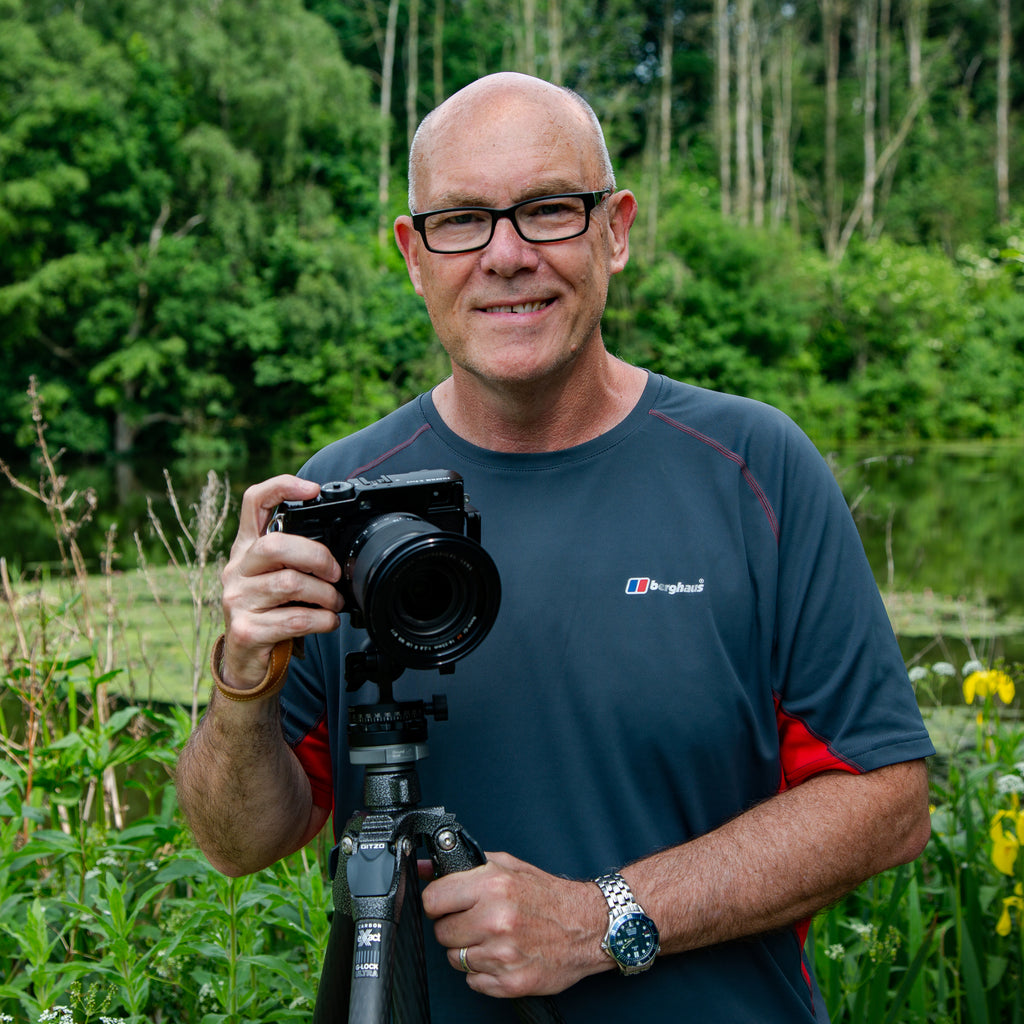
(507, 253)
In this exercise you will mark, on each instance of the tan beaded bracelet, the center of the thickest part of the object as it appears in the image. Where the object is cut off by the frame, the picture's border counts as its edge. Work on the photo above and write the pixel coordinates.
(271, 683)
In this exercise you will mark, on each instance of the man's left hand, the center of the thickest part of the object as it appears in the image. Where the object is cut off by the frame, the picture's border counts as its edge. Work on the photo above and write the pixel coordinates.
(520, 931)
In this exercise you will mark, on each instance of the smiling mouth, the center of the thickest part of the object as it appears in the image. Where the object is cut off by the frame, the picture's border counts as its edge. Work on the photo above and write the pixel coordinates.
(522, 307)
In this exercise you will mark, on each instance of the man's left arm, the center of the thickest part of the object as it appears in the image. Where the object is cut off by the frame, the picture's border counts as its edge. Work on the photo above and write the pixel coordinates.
(527, 932)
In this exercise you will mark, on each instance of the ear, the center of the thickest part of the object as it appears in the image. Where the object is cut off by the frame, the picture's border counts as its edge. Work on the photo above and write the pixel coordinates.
(622, 210)
(409, 244)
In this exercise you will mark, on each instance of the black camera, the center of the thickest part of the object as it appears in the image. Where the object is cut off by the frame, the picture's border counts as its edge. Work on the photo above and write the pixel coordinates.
(413, 573)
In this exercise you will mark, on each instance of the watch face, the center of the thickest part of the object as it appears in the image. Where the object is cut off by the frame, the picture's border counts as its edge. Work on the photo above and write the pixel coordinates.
(633, 940)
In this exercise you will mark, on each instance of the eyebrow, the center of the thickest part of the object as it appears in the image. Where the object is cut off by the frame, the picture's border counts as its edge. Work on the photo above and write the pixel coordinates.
(554, 187)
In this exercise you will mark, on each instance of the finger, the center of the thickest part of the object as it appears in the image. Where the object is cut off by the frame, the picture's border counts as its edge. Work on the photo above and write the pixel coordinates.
(260, 500)
(309, 561)
(451, 894)
(459, 959)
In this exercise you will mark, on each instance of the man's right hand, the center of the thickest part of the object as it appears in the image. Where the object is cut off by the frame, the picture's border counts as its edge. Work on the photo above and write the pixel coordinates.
(277, 586)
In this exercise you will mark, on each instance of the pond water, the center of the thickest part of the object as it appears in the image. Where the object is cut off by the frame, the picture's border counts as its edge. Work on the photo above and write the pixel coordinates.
(938, 522)
(946, 523)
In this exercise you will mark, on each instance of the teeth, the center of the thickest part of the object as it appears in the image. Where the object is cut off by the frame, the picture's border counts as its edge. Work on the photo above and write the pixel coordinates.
(526, 307)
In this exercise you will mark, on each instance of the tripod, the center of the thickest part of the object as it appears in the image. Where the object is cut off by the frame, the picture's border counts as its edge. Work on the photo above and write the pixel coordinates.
(375, 971)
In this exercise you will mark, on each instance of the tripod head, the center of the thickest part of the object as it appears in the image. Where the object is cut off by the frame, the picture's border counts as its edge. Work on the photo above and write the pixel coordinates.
(389, 732)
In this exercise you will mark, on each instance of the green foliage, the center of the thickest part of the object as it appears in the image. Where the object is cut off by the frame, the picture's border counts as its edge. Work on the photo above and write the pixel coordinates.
(189, 203)
(943, 939)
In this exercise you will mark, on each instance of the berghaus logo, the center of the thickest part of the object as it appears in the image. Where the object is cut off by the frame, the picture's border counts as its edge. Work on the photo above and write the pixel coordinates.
(647, 585)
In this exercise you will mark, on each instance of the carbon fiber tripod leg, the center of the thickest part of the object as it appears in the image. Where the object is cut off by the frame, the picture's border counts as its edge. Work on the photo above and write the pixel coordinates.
(332, 996)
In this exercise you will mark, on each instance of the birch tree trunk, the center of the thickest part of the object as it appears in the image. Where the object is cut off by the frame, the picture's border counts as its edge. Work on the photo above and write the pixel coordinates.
(757, 132)
(438, 47)
(743, 18)
(387, 77)
(780, 77)
(867, 47)
(831, 18)
(555, 41)
(412, 72)
(723, 118)
(660, 165)
(1003, 114)
(528, 49)
(915, 14)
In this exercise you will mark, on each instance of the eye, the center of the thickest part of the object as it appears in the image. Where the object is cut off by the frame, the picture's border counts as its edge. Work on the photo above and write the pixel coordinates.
(551, 208)
(457, 219)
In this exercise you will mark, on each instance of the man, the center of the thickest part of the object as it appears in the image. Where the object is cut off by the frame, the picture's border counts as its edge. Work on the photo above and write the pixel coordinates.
(691, 690)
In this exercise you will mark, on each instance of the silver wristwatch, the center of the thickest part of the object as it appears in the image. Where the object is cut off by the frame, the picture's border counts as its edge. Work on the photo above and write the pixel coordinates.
(632, 937)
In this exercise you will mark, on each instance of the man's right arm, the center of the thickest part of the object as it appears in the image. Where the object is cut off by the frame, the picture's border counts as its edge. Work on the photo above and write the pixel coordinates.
(243, 791)
(246, 797)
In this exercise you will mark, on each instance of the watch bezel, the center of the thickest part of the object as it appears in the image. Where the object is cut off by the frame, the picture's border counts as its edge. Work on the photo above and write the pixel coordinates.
(632, 964)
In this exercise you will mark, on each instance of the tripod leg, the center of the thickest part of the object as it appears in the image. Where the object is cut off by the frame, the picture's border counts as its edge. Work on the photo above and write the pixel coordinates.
(410, 991)
(332, 997)
(388, 967)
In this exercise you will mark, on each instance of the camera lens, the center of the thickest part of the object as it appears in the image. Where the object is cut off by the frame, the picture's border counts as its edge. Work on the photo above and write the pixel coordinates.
(428, 596)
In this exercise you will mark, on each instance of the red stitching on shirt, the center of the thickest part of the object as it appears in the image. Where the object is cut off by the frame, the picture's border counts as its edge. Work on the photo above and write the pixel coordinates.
(387, 455)
(752, 483)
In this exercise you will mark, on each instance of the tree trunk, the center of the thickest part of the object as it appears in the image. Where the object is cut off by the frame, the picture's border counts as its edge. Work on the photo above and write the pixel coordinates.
(660, 166)
(412, 72)
(831, 18)
(757, 132)
(439, 94)
(743, 19)
(528, 49)
(867, 47)
(555, 41)
(384, 174)
(780, 76)
(1003, 114)
(723, 132)
(914, 16)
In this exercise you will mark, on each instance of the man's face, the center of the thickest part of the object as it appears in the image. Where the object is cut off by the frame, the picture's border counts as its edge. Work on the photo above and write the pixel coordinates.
(516, 312)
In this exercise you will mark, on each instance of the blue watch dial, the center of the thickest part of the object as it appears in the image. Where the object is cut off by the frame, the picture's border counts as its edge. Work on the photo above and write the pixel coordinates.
(633, 940)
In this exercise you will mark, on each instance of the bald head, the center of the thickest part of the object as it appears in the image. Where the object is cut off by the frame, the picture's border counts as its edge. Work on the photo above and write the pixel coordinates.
(487, 101)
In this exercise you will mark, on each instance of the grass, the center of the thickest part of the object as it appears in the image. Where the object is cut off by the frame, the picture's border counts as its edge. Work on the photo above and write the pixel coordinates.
(152, 617)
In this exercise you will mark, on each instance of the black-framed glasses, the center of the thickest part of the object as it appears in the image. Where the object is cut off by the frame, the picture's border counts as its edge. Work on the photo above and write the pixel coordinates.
(545, 219)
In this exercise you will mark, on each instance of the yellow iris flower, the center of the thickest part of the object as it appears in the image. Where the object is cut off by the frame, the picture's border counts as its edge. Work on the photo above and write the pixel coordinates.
(1006, 841)
(986, 682)
(1016, 902)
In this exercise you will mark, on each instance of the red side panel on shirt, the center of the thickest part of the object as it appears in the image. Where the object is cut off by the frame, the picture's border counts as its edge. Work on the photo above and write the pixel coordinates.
(314, 754)
(804, 753)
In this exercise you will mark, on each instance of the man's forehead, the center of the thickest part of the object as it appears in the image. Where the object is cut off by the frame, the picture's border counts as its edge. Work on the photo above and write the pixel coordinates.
(469, 169)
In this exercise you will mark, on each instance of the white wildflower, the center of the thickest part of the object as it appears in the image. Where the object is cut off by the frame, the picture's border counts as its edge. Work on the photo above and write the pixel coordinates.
(57, 1015)
(917, 673)
(943, 668)
(836, 951)
(1009, 784)
(972, 666)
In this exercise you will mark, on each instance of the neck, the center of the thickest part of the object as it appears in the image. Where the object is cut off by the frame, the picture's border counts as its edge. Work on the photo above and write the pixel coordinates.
(540, 416)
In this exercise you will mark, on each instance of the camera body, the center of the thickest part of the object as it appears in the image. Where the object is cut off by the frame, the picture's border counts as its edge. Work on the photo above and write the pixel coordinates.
(413, 573)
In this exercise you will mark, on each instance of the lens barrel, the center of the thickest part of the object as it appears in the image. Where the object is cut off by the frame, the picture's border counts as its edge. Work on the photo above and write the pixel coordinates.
(429, 596)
